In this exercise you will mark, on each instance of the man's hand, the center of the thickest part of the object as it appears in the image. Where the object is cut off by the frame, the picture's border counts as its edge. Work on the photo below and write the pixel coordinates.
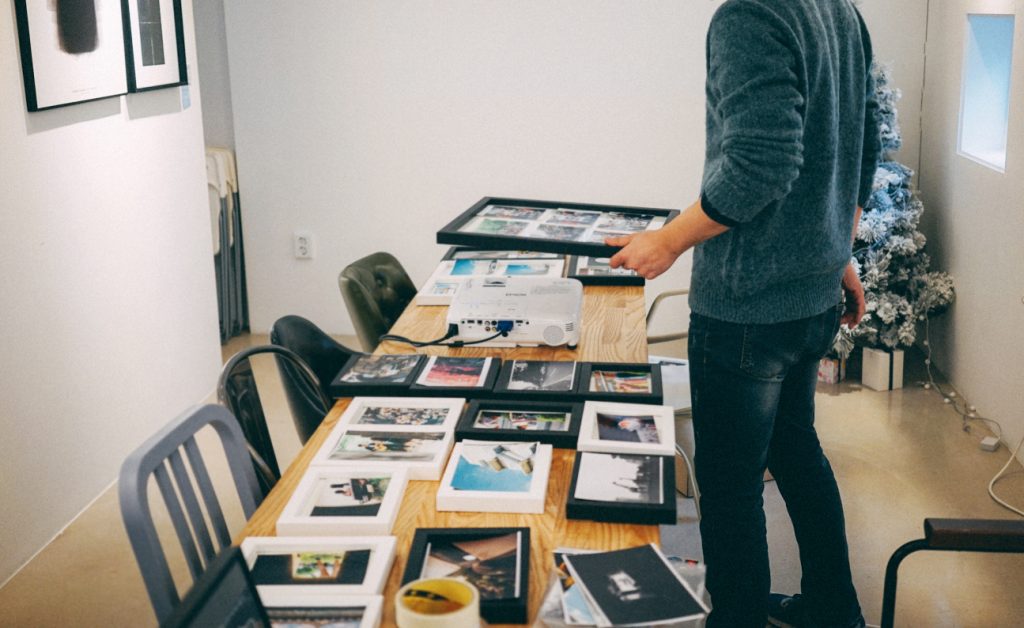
(649, 253)
(854, 297)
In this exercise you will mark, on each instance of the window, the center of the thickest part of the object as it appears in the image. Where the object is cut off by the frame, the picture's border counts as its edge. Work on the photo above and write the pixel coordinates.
(985, 96)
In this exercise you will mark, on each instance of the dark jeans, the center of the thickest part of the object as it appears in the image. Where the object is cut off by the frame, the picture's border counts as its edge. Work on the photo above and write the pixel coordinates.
(753, 408)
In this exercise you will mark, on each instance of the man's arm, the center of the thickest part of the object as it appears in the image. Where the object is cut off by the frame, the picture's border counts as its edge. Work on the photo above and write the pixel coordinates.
(650, 253)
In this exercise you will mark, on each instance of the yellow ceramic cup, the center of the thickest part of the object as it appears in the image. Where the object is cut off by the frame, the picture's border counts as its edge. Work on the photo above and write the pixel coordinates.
(438, 603)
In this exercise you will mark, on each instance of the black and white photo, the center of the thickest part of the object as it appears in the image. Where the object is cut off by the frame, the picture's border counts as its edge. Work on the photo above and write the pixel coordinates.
(155, 44)
(539, 375)
(619, 478)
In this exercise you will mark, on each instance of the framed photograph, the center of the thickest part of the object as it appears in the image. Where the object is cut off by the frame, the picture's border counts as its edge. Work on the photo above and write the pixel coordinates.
(553, 227)
(449, 376)
(71, 51)
(536, 379)
(463, 252)
(329, 565)
(154, 44)
(635, 586)
(555, 423)
(420, 450)
(450, 274)
(374, 374)
(597, 271)
(315, 609)
(333, 501)
(432, 413)
(622, 488)
(496, 476)
(623, 428)
(495, 560)
(635, 383)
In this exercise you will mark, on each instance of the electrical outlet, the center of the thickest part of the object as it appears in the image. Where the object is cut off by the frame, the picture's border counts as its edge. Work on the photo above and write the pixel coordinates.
(302, 243)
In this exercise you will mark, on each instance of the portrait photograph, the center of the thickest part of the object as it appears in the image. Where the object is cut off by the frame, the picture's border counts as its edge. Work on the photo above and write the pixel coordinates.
(343, 501)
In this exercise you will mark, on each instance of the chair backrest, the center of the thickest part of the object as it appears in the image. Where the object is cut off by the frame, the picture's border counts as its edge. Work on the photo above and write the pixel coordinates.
(225, 595)
(236, 390)
(376, 290)
(161, 457)
(324, 356)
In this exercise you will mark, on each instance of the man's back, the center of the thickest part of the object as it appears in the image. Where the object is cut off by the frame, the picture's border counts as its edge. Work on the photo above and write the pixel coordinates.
(788, 158)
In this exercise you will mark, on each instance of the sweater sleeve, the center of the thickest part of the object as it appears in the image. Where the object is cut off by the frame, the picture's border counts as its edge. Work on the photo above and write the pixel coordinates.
(754, 86)
(872, 138)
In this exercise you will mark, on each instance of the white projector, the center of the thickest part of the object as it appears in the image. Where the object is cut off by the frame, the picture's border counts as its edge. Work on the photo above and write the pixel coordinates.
(534, 310)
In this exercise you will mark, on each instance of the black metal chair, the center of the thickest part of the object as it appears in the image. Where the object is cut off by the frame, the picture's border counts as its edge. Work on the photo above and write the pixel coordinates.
(953, 535)
(236, 390)
(376, 290)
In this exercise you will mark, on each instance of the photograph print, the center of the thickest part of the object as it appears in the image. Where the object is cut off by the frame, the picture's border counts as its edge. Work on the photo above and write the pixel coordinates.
(311, 568)
(492, 564)
(459, 252)
(575, 217)
(349, 497)
(72, 51)
(522, 420)
(374, 414)
(600, 267)
(155, 44)
(383, 446)
(619, 478)
(628, 428)
(620, 381)
(511, 212)
(495, 467)
(541, 376)
(380, 369)
(326, 617)
(496, 226)
(559, 232)
(453, 372)
(629, 223)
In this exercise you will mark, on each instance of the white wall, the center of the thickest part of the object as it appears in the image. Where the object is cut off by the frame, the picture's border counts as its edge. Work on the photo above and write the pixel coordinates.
(373, 124)
(214, 75)
(975, 220)
(106, 292)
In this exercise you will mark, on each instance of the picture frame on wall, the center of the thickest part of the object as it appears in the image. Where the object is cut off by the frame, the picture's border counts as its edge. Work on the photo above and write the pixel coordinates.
(282, 566)
(597, 271)
(555, 227)
(318, 609)
(338, 501)
(154, 44)
(611, 427)
(622, 488)
(495, 560)
(552, 422)
(71, 52)
(376, 374)
(639, 382)
(496, 476)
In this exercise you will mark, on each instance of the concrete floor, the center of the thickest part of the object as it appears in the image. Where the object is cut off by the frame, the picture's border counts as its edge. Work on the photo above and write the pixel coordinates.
(899, 457)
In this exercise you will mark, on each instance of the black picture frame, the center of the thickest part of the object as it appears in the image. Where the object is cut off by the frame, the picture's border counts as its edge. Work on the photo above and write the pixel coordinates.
(454, 251)
(502, 390)
(465, 430)
(573, 272)
(174, 72)
(625, 512)
(53, 47)
(496, 611)
(224, 595)
(339, 388)
(484, 389)
(656, 396)
(452, 234)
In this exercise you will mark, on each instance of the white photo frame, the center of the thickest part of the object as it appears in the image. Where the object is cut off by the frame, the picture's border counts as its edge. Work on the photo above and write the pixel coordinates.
(359, 414)
(378, 567)
(595, 424)
(421, 451)
(372, 605)
(314, 492)
(529, 501)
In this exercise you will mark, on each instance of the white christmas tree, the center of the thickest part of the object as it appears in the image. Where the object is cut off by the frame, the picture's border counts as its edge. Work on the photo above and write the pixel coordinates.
(889, 251)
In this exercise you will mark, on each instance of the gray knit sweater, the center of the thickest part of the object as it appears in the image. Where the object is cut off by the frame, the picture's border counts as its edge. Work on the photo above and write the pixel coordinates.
(792, 146)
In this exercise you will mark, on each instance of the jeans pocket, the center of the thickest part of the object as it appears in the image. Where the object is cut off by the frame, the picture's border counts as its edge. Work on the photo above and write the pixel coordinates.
(767, 351)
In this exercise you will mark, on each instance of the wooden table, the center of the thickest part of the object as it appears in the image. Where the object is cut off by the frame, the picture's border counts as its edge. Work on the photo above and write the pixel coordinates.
(614, 330)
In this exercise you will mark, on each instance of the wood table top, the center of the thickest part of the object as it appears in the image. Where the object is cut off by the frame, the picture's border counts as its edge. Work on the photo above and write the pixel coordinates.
(614, 330)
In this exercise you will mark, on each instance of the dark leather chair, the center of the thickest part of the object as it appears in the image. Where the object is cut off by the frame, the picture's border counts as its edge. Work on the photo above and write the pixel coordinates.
(376, 290)
(236, 390)
(324, 356)
(956, 535)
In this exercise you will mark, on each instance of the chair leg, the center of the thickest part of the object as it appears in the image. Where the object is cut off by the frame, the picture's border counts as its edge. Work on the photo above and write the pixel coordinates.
(691, 476)
(889, 590)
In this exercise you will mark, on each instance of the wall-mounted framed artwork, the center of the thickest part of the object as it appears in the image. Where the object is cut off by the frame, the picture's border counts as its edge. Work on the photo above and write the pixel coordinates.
(154, 42)
(72, 51)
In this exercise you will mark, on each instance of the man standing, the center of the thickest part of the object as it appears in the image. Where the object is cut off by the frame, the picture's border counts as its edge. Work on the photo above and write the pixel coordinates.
(792, 146)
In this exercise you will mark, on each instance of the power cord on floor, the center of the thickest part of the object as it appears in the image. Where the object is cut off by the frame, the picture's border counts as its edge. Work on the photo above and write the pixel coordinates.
(968, 413)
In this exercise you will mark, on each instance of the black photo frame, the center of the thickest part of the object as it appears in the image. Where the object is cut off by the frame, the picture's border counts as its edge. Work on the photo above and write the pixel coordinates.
(628, 278)
(341, 388)
(71, 52)
(466, 252)
(502, 384)
(624, 511)
(655, 396)
(560, 439)
(516, 239)
(484, 389)
(508, 610)
(152, 61)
